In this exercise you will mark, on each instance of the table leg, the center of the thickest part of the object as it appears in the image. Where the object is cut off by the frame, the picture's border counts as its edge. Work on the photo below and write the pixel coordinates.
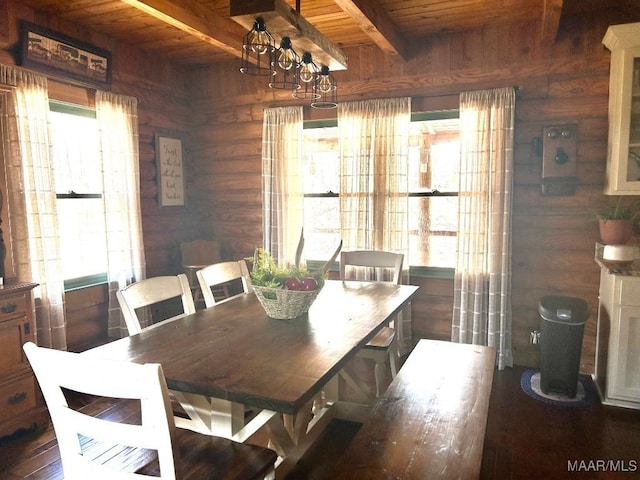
(351, 410)
(292, 435)
(222, 418)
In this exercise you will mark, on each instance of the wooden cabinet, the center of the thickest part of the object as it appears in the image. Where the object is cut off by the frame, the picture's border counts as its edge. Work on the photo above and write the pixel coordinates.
(623, 153)
(21, 406)
(617, 372)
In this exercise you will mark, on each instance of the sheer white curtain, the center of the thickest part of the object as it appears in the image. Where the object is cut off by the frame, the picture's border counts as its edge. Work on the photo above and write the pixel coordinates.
(282, 187)
(117, 117)
(482, 283)
(32, 199)
(374, 152)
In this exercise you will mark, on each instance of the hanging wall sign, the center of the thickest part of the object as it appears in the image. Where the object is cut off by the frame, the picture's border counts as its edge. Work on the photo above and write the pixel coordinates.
(170, 170)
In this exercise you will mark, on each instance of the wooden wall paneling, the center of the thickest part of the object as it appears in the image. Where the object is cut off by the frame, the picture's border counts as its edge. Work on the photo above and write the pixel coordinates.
(553, 236)
(86, 314)
(247, 162)
(221, 112)
(162, 94)
(467, 51)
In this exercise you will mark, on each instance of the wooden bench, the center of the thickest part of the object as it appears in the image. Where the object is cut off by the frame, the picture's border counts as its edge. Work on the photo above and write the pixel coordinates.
(431, 421)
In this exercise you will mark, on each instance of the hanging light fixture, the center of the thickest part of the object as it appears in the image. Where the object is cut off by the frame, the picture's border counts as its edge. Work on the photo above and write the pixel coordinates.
(283, 20)
(307, 78)
(286, 63)
(327, 89)
(258, 50)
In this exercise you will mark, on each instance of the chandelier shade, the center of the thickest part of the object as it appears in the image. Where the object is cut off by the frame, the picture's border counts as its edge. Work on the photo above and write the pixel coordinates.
(258, 48)
(307, 78)
(286, 63)
(327, 90)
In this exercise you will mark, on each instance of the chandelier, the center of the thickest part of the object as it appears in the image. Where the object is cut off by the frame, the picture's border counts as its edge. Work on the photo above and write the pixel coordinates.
(286, 69)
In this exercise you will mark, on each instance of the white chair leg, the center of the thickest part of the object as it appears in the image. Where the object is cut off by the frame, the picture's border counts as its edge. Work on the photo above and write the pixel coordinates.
(379, 374)
(392, 362)
(381, 367)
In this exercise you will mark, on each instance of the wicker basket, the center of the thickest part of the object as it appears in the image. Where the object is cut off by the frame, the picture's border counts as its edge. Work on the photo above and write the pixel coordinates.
(285, 304)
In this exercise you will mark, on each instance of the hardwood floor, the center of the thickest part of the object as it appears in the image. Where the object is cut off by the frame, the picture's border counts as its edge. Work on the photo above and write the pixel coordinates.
(525, 439)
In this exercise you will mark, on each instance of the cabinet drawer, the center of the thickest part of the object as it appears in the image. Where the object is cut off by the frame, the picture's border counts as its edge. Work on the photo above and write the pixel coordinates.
(17, 397)
(630, 292)
(14, 306)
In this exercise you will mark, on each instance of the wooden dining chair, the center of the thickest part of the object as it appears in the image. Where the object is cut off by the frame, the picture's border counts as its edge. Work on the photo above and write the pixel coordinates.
(376, 266)
(221, 274)
(197, 254)
(151, 291)
(141, 442)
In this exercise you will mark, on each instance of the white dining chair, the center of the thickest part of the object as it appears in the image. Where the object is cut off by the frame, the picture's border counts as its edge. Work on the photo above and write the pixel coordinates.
(145, 444)
(221, 274)
(197, 254)
(150, 291)
(378, 266)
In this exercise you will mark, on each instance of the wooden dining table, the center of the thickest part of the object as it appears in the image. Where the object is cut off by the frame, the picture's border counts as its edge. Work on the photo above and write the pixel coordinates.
(221, 361)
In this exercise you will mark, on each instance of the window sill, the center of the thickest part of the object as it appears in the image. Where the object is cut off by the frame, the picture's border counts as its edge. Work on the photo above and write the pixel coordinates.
(432, 272)
(415, 271)
(84, 282)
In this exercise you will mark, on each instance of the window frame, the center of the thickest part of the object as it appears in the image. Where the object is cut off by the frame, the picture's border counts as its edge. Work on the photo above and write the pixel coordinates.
(414, 270)
(85, 281)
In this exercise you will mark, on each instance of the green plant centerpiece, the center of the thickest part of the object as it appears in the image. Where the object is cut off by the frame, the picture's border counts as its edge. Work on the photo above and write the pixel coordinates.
(287, 292)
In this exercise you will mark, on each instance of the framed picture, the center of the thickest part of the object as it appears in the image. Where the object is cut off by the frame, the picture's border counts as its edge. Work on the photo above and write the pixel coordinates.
(59, 55)
(170, 170)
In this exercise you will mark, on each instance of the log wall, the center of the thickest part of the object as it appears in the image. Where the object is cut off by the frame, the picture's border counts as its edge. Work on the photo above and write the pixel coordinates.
(553, 237)
(162, 106)
(219, 113)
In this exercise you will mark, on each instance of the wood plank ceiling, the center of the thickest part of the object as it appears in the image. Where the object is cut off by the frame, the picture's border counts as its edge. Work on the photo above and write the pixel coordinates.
(196, 32)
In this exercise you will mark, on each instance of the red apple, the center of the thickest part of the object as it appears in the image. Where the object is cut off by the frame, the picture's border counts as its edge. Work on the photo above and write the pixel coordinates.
(309, 284)
(293, 284)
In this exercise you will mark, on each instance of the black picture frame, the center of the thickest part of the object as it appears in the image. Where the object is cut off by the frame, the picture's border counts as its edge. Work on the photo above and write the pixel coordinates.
(61, 56)
(170, 169)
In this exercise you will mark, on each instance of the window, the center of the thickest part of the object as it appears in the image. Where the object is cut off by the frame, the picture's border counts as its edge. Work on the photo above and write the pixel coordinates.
(433, 204)
(79, 187)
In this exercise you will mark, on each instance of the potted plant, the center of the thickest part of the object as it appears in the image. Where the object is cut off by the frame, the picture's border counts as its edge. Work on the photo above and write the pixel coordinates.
(616, 222)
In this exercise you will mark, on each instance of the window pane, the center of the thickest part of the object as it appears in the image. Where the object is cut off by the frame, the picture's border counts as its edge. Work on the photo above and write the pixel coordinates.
(75, 153)
(82, 238)
(434, 160)
(77, 168)
(432, 231)
(434, 156)
(321, 160)
(321, 227)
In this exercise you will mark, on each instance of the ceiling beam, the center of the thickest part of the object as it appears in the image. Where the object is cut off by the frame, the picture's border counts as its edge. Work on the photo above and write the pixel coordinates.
(284, 21)
(551, 13)
(211, 29)
(375, 22)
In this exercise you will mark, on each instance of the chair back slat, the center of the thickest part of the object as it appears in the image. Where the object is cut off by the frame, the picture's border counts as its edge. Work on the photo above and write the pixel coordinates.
(222, 273)
(151, 291)
(376, 263)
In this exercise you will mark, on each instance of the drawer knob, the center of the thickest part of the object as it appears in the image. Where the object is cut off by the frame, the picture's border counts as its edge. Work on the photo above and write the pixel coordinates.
(9, 307)
(17, 398)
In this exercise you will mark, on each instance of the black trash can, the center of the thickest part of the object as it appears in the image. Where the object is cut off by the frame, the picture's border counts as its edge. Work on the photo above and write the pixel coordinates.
(562, 322)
